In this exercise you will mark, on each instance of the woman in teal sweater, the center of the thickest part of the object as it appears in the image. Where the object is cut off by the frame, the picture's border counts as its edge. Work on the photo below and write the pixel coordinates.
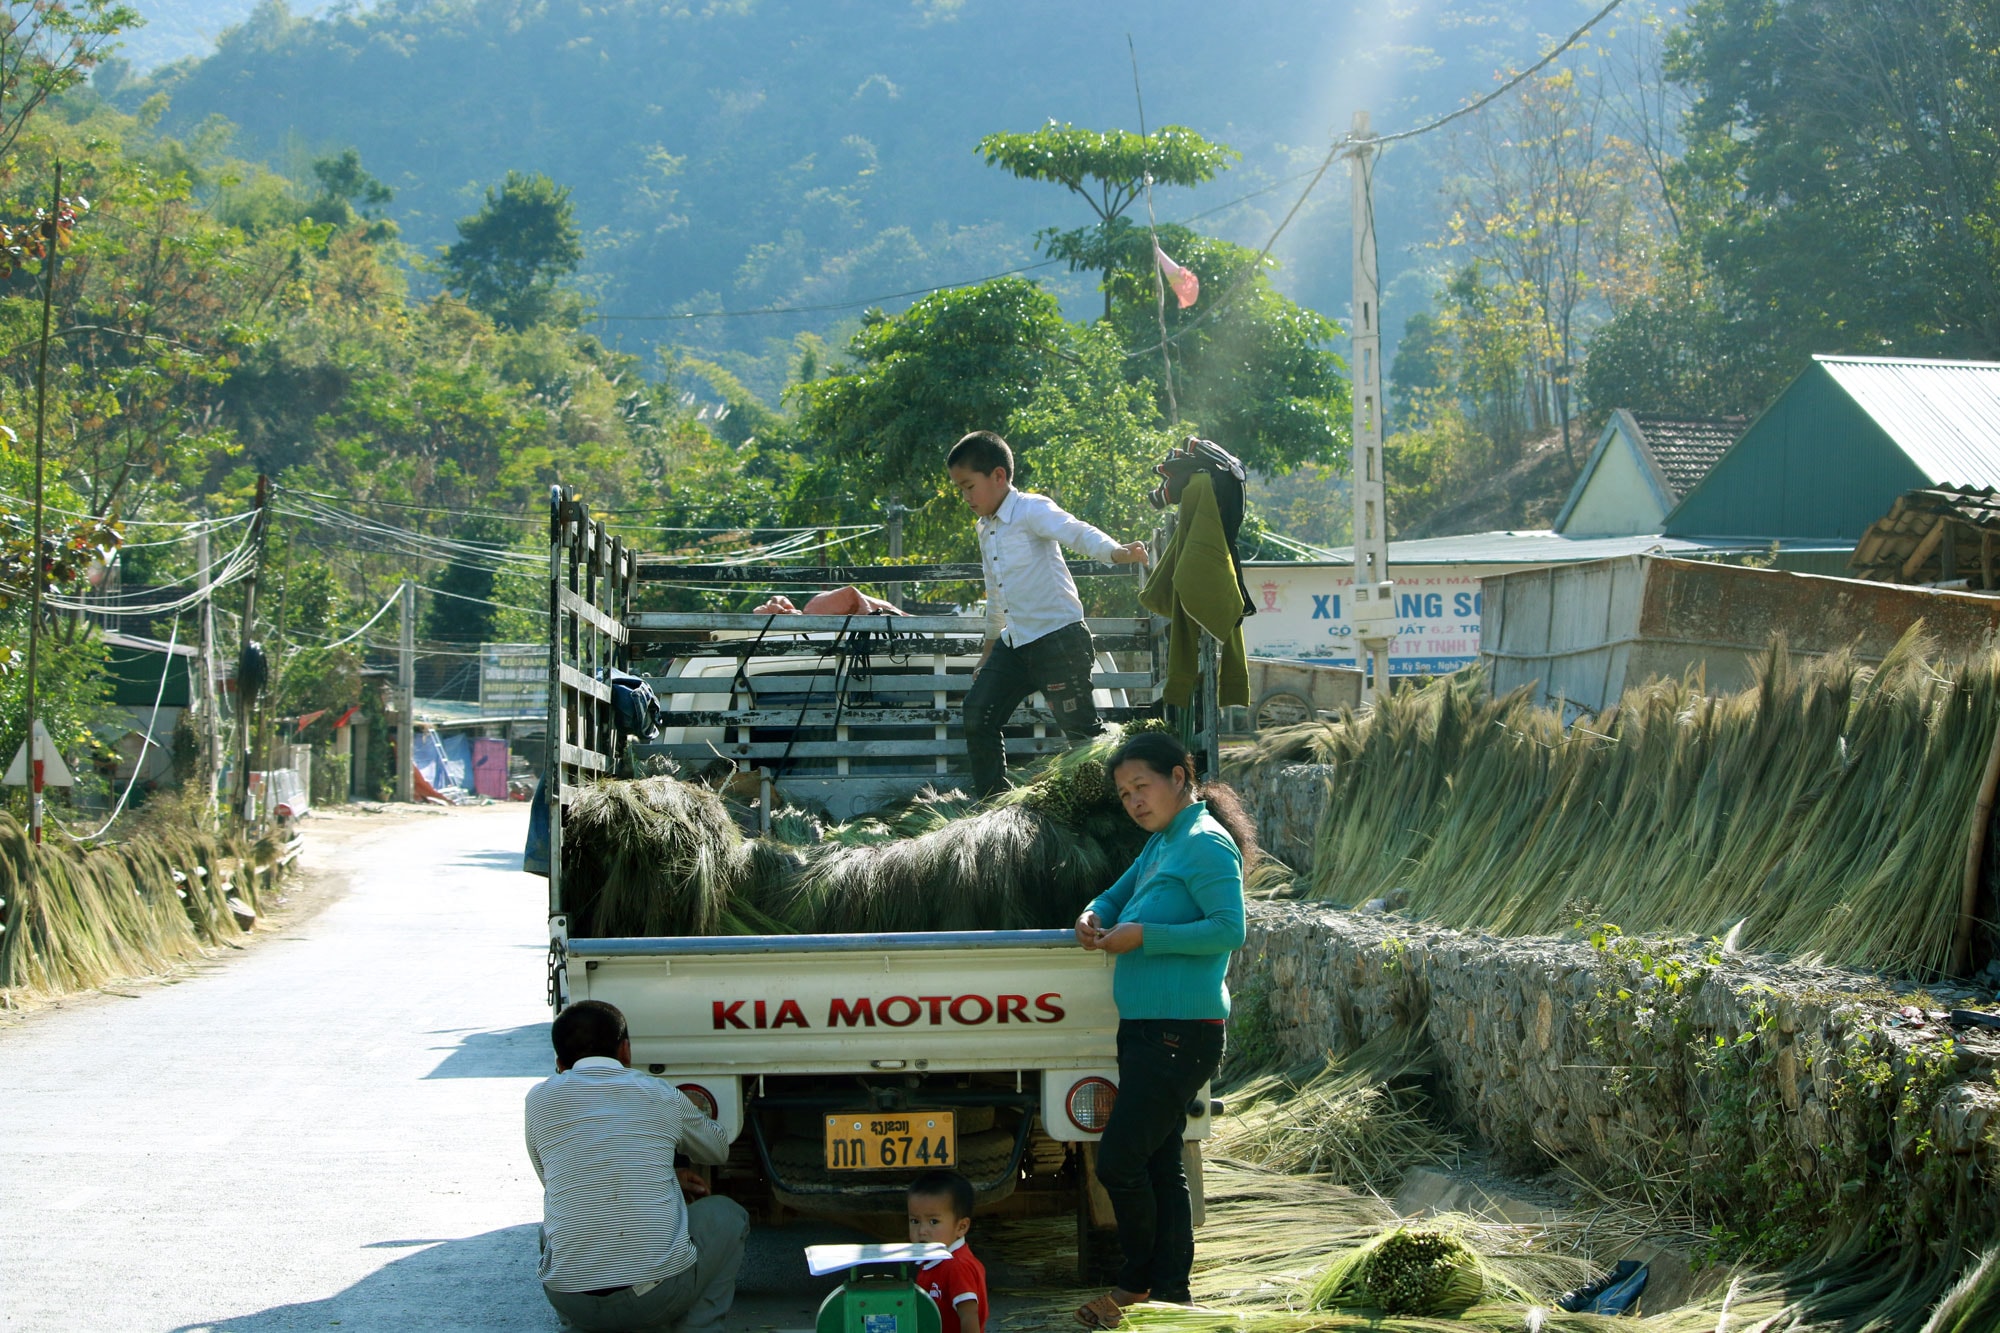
(1172, 920)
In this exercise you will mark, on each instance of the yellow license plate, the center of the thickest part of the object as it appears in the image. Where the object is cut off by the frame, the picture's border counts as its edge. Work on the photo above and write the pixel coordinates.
(899, 1141)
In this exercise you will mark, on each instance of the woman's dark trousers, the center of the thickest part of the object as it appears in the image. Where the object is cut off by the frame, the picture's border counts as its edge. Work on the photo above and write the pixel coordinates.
(1162, 1065)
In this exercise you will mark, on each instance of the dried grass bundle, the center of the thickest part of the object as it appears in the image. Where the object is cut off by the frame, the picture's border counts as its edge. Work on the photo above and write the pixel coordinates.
(1356, 1119)
(93, 914)
(1829, 805)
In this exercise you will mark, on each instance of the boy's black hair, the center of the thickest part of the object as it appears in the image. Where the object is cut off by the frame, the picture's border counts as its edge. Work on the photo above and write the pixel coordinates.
(945, 1185)
(587, 1028)
(982, 451)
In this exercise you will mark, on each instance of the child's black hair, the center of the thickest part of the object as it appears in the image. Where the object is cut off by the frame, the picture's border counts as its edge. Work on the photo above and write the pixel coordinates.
(982, 451)
(944, 1185)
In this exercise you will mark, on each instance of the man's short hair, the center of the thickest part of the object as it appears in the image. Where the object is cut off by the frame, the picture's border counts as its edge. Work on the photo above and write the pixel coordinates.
(587, 1028)
(982, 451)
(944, 1185)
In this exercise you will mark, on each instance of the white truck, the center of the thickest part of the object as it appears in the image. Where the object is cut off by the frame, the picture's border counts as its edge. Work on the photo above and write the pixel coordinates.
(839, 1065)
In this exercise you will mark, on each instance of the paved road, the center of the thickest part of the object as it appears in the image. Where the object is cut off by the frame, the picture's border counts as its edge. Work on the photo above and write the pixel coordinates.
(324, 1131)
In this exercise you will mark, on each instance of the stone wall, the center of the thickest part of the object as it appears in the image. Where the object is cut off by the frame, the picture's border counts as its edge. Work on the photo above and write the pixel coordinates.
(1286, 801)
(1801, 1095)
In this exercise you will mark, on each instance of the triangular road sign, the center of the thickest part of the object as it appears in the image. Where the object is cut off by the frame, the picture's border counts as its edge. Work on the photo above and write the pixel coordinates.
(55, 773)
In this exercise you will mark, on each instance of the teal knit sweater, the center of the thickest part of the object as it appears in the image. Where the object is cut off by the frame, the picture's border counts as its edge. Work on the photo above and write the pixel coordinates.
(1186, 890)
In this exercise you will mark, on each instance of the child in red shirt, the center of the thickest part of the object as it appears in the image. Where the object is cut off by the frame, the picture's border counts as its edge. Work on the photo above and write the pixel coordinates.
(940, 1205)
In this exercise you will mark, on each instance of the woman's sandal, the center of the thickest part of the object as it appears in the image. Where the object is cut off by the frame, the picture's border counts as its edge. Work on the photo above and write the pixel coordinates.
(1106, 1311)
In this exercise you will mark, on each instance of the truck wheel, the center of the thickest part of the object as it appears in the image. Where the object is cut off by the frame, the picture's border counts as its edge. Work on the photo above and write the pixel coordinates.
(1281, 708)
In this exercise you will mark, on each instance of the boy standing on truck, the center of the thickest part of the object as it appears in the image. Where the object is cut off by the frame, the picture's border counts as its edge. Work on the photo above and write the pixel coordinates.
(941, 1213)
(1035, 635)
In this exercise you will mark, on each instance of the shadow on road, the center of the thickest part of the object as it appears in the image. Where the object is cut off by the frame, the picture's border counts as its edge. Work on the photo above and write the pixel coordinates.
(521, 1052)
(487, 1282)
(484, 1282)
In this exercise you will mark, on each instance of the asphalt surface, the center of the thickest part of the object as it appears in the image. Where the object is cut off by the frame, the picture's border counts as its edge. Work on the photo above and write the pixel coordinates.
(323, 1131)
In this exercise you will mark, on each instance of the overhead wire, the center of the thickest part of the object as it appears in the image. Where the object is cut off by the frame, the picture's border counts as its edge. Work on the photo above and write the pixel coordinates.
(1350, 143)
(146, 742)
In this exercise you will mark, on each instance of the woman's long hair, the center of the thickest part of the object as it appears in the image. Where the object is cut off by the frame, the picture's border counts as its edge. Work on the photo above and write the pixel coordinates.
(1163, 754)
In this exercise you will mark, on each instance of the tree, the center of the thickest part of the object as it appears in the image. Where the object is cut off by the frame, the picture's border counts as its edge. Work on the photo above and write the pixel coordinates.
(48, 47)
(343, 184)
(1853, 150)
(510, 255)
(1107, 169)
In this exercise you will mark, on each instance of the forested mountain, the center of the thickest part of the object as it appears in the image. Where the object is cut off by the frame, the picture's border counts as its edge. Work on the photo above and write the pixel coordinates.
(821, 152)
(176, 29)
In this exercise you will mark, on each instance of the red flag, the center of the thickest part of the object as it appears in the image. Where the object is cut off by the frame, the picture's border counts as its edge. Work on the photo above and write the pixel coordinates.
(1186, 286)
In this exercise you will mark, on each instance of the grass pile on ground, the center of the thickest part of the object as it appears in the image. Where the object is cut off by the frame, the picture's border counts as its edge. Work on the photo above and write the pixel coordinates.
(657, 856)
(88, 915)
(1356, 1119)
(1828, 807)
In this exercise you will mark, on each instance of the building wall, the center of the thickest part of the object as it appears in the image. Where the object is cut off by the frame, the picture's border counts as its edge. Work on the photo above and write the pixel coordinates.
(1813, 466)
(1618, 498)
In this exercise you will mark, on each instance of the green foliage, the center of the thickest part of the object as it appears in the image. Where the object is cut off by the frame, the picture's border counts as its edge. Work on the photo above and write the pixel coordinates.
(1852, 156)
(510, 255)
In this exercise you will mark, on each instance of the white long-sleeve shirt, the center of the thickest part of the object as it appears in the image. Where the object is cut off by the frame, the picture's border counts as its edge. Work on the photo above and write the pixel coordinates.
(602, 1138)
(1029, 592)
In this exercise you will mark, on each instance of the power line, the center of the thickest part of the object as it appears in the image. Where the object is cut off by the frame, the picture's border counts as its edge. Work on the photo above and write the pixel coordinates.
(1349, 143)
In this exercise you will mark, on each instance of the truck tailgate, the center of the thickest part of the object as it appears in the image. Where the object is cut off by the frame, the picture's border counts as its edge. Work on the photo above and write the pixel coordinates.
(828, 1004)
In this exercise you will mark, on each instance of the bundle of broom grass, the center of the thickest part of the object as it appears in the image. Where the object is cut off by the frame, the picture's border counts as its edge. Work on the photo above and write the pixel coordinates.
(1828, 807)
(74, 916)
(657, 856)
(1356, 1119)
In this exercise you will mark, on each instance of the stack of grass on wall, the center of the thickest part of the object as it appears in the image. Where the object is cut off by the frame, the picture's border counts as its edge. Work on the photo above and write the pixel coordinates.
(88, 915)
(1829, 805)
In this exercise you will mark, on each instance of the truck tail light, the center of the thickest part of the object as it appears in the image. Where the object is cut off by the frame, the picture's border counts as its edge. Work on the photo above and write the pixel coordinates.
(702, 1098)
(1089, 1104)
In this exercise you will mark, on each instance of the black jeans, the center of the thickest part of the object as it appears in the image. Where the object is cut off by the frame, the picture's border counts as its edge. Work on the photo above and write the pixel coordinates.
(1058, 665)
(1162, 1065)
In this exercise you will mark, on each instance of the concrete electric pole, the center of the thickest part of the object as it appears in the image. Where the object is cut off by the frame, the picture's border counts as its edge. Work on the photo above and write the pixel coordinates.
(406, 697)
(1372, 605)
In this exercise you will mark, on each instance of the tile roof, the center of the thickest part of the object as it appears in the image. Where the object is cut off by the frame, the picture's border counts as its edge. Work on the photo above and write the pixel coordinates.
(1907, 545)
(1684, 448)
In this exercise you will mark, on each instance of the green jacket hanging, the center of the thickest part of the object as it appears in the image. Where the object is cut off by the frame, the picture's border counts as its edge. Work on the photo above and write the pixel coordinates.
(1194, 585)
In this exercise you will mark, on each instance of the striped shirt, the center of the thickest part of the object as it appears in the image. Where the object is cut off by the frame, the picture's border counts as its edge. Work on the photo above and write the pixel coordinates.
(602, 1138)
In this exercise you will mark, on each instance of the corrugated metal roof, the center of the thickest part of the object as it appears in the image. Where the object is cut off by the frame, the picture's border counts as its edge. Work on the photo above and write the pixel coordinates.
(1535, 547)
(1945, 415)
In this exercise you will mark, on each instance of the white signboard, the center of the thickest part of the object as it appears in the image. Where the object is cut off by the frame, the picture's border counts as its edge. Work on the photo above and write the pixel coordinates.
(1302, 612)
(513, 679)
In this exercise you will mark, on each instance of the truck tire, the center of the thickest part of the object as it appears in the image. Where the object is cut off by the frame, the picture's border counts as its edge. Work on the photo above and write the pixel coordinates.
(981, 1157)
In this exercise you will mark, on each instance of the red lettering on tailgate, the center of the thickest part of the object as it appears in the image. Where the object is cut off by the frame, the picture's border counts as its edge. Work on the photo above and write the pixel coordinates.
(958, 1007)
(1014, 1009)
(1054, 1011)
(789, 1012)
(860, 1013)
(913, 1008)
(725, 1015)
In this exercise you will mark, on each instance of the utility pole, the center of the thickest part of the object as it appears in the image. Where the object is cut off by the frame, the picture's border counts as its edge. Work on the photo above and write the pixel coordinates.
(1372, 611)
(211, 714)
(37, 557)
(406, 696)
(895, 509)
(246, 685)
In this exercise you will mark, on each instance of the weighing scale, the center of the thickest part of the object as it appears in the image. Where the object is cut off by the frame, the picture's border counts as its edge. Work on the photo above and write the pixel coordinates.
(880, 1294)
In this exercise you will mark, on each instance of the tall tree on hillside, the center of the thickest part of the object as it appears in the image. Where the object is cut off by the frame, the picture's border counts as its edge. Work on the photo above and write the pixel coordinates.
(512, 253)
(48, 47)
(1107, 169)
(1855, 147)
